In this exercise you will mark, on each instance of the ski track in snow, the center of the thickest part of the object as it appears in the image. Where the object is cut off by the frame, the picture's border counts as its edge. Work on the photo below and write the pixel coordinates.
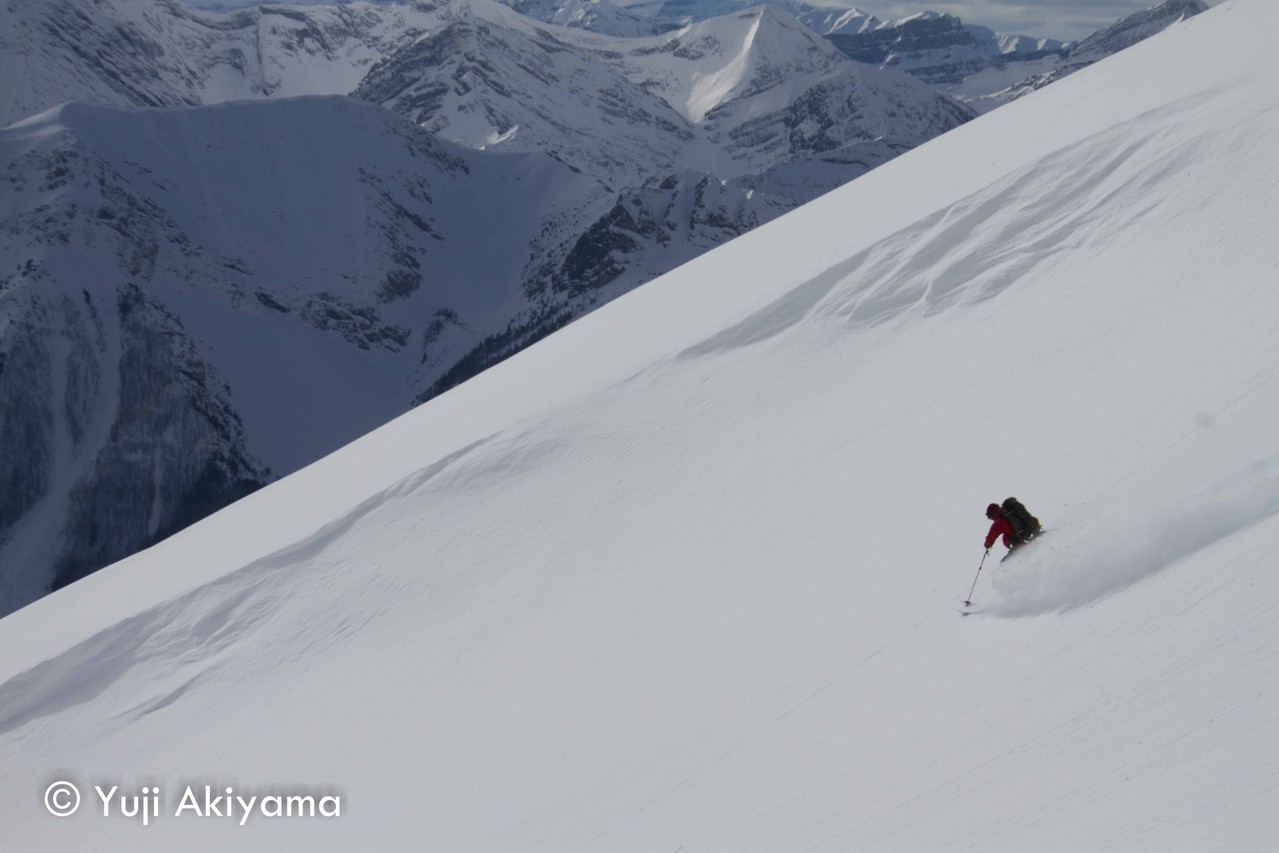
(1133, 542)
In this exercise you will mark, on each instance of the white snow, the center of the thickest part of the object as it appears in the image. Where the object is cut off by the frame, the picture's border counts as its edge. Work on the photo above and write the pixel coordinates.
(686, 574)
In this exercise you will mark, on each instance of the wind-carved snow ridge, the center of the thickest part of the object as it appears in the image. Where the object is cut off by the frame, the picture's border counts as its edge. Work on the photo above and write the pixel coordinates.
(1064, 571)
(983, 245)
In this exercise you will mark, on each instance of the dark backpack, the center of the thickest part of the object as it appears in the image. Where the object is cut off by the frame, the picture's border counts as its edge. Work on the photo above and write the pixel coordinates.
(1025, 525)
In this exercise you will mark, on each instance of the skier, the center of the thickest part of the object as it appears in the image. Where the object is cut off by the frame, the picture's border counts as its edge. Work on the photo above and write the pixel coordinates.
(1013, 523)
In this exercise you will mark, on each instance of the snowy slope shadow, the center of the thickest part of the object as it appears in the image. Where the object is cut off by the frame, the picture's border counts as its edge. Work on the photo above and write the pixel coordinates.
(181, 641)
(1062, 572)
(984, 244)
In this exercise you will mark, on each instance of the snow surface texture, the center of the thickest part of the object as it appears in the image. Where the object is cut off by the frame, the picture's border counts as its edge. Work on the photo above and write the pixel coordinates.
(689, 578)
(1149, 531)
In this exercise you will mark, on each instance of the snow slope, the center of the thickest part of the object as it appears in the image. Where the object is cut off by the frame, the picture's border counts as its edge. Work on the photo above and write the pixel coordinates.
(689, 579)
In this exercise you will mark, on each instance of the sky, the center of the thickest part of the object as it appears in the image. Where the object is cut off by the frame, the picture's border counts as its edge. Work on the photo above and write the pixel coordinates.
(1067, 20)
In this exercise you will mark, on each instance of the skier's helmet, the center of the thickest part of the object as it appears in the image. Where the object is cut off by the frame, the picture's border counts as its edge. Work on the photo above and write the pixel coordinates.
(992, 511)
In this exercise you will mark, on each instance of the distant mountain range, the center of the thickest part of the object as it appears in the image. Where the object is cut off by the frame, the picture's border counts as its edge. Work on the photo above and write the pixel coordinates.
(732, 96)
(966, 60)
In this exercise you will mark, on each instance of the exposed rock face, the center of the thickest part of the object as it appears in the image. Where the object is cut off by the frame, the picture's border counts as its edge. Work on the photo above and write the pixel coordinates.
(139, 490)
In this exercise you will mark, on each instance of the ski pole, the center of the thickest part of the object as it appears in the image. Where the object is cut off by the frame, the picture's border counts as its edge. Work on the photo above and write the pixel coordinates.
(968, 601)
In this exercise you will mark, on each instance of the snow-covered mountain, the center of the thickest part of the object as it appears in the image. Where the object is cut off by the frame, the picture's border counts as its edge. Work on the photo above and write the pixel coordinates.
(734, 96)
(731, 96)
(968, 61)
(767, 92)
(685, 574)
(933, 46)
(937, 48)
(479, 74)
(940, 49)
(502, 81)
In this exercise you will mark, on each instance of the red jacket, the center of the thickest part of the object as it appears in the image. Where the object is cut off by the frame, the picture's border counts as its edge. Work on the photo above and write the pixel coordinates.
(1001, 526)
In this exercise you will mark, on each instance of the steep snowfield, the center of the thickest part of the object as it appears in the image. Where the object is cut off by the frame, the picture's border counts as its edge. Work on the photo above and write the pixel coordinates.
(686, 574)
